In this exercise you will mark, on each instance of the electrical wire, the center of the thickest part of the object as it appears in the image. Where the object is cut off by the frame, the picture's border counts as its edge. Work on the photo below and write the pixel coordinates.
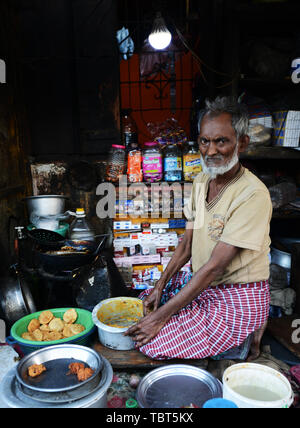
(200, 62)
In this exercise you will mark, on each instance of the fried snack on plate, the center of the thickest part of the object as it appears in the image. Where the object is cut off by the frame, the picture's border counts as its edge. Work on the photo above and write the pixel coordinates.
(75, 367)
(67, 331)
(45, 317)
(56, 325)
(84, 374)
(28, 336)
(76, 328)
(36, 370)
(44, 328)
(38, 335)
(70, 316)
(52, 336)
(33, 325)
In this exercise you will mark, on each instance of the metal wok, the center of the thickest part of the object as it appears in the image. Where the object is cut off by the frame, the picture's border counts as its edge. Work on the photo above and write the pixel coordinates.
(61, 261)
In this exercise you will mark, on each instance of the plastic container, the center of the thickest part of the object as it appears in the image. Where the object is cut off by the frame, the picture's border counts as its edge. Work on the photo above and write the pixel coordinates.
(116, 165)
(152, 163)
(130, 132)
(113, 337)
(191, 161)
(80, 230)
(134, 166)
(28, 346)
(282, 194)
(219, 403)
(251, 385)
(172, 163)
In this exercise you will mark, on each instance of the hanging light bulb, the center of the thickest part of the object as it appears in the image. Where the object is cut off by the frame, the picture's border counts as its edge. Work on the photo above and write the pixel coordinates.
(160, 36)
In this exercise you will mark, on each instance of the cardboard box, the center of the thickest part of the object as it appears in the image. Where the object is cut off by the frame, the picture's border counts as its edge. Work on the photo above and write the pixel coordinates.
(287, 128)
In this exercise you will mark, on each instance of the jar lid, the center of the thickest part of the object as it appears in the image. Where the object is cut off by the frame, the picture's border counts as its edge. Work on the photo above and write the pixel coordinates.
(115, 146)
(151, 144)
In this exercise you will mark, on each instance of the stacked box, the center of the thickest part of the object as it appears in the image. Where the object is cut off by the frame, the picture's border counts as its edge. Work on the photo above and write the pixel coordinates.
(287, 128)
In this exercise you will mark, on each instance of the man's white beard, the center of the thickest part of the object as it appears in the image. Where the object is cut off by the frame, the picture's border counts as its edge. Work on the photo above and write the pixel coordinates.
(214, 171)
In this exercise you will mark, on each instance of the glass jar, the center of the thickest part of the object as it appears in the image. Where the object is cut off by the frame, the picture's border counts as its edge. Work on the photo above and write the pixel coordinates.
(191, 161)
(116, 165)
(173, 163)
(152, 163)
(134, 166)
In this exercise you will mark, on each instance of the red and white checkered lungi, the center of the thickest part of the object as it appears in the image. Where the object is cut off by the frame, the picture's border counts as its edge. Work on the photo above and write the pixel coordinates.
(221, 318)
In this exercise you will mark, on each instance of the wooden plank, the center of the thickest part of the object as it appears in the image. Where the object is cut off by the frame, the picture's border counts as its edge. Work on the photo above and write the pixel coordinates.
(11, 190)
(135, 360)
(283, 331)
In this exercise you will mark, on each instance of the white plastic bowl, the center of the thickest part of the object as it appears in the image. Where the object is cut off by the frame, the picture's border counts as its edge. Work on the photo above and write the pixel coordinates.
(113, 337)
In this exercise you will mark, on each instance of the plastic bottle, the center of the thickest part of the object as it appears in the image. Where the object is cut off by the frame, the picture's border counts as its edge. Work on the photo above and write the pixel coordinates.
(80, 230)
(129, 129)
(152, 162)
(134, 166)
(191, 161)
(173, 163)
(116, 165)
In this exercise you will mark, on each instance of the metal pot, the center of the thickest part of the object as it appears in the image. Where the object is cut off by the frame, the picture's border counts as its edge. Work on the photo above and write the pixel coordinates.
(281, 258)
(46, 205)
(16, 299)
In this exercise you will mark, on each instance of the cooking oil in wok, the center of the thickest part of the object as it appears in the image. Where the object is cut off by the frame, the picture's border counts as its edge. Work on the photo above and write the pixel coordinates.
(257, 393)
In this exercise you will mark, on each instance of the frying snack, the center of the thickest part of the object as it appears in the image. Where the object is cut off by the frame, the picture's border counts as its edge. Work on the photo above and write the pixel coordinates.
(46, 317)
(36, 370)
(56, 325)
(48, 328)
(33, 325)
(70, 316)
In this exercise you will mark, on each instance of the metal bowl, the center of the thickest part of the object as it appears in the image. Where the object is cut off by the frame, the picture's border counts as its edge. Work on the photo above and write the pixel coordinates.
(177, 386)
(46, 205)
(55, 385)
(281, 258)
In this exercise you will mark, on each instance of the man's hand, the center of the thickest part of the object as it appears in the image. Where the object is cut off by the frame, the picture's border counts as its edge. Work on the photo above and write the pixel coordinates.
(151, 302)
(144, 331)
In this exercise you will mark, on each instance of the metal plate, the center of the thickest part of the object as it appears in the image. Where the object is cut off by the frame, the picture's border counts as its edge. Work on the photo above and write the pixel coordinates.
(11, 396)
(177, 386)
(55, 385)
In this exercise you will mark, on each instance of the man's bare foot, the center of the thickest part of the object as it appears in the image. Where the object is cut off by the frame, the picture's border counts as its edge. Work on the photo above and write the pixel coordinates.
(255, 345)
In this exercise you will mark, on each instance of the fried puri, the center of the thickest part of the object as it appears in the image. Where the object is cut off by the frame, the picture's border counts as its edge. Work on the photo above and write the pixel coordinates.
(45, 317)
(38, 335)
(56, 325)
(50, 328)
(70, 316)
(33, 325)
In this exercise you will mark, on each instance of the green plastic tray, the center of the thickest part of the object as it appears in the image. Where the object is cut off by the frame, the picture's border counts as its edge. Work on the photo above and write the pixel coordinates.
(20, 327)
